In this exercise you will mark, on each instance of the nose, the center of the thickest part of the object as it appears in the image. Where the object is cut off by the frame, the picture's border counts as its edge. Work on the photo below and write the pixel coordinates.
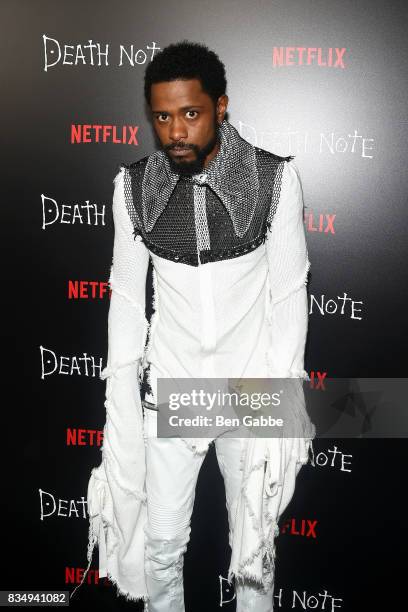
(178, 130)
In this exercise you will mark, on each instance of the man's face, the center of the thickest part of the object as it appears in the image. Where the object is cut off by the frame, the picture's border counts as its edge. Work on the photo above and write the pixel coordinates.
(186, 122)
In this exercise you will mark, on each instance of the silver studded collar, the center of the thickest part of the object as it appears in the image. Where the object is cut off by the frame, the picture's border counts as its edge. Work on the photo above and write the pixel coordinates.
(232, 174)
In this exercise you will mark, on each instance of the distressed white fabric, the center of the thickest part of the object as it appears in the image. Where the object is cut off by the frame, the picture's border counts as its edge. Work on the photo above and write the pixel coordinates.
(288, 264)
(116, 497)
(265, 496)
(240, 317)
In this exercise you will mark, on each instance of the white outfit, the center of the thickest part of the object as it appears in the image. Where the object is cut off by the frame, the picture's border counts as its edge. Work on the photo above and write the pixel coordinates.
(171, 476)
(246, 316)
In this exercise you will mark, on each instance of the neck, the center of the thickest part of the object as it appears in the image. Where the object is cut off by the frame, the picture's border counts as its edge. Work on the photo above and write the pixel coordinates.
(211, 155)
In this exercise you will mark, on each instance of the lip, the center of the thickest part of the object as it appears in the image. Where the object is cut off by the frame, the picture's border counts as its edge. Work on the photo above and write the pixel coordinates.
(180, 152)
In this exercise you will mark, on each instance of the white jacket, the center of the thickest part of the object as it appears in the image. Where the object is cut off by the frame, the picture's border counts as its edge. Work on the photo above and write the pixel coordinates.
(243, 316)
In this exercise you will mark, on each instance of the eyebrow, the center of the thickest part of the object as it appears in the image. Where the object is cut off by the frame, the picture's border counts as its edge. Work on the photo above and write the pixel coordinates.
(183, 108)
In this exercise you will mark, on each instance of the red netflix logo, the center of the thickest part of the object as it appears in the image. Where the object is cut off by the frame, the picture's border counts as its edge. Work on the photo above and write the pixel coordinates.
(322, 223)
(305, 528)
(85, 134)
(84, 437)
(308, 56)
(317, 380)
(88, 290)
(74, 575)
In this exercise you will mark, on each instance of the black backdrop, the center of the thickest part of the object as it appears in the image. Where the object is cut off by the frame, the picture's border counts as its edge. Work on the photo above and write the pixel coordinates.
(346, 124)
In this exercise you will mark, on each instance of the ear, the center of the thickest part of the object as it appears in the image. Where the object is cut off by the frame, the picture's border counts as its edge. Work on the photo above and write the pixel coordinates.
(222, 104)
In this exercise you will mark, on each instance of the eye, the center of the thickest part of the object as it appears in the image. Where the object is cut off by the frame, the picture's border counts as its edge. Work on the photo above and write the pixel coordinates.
(195, 113)
(161, 115)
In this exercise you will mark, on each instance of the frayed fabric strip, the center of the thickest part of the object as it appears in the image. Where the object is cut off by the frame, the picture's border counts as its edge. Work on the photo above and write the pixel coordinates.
(103, 531)
(96, 499)
(252, 524)
(104, 489)
(257, 518)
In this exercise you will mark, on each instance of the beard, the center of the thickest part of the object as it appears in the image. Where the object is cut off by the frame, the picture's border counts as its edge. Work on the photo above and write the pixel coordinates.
(188, 168)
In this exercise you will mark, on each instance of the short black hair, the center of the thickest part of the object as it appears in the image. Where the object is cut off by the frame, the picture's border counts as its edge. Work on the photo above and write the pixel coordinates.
(187, 60)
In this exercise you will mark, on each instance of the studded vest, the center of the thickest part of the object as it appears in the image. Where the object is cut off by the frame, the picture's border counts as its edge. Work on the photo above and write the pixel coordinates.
(219, 214)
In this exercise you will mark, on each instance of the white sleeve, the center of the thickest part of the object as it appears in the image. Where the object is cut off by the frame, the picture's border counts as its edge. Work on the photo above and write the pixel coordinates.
(127, 332)
(127, 325)
(288, 265)
(115, 497)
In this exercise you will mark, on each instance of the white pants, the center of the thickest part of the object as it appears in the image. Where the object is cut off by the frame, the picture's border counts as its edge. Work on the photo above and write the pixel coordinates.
(171, 475)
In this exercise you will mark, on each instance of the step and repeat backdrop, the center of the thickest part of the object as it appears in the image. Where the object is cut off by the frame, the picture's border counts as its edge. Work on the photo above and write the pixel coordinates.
(324, 81)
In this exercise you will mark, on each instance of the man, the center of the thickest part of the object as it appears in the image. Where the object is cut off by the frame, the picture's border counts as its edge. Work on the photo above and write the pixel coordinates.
(222, 222)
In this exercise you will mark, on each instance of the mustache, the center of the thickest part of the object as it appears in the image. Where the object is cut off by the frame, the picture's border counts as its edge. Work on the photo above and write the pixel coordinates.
(176, 146)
